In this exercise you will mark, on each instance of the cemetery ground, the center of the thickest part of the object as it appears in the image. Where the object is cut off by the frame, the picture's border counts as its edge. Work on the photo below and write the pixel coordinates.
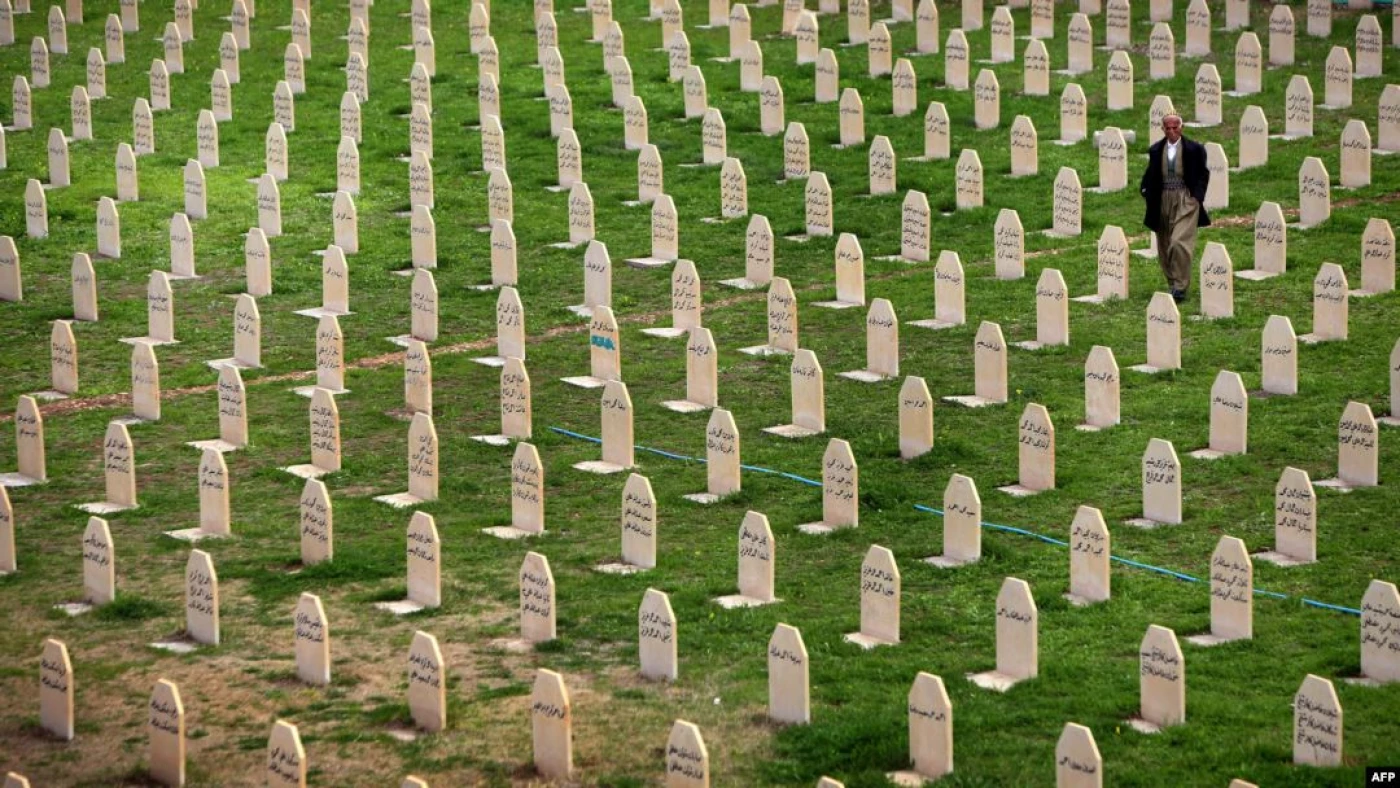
(1238, 694)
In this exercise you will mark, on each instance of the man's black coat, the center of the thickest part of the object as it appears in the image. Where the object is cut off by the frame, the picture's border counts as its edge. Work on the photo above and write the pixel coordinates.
(1193, 172)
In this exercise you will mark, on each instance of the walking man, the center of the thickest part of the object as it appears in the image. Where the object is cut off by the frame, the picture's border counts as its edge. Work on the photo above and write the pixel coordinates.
(1175, 189)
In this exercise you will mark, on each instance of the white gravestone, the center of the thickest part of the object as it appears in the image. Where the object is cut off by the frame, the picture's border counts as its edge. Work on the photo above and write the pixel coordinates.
(1317, 724)
(840, 490)
(757, 558)
(1090, 578)
(1163, 336)
(808, 398)
(1330, 304)
(789, 694)
(1161, 486)
(1017, 638)
(989, 369)
(1295, 520)
(1358, 450)
(1162, 681)
(915, 418)
(1279, 357)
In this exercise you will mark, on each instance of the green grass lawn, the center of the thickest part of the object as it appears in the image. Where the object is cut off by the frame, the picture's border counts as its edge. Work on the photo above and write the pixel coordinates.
(1238, 695)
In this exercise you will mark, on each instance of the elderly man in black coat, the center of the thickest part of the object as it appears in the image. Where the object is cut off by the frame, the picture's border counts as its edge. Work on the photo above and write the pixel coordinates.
(1174, 186)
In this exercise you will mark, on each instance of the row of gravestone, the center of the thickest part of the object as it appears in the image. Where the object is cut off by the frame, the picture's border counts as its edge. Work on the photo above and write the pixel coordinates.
(1162, 662)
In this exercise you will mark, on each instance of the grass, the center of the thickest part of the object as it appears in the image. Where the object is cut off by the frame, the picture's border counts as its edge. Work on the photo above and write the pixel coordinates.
(1239, 722)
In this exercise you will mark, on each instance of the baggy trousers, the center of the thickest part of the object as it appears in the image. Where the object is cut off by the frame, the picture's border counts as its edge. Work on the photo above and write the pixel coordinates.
(1176, 241)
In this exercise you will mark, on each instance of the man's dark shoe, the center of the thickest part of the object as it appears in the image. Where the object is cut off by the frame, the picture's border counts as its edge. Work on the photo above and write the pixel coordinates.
(1179, 296)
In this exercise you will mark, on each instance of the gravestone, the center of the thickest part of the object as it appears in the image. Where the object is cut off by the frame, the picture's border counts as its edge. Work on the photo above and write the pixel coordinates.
(1388, 120)
(989, 369)
(201, 599)
(915, 418)
(325, 437)
(770, 107)
(1163, 335)
(63, 360)
(257, 259)
(56, 690)
(1017, 638)
(143, 138)
(806, 30)
(758, 257)
(1229, 418)
(879, 50)
(820, 206)
(750, 67)
(59, 171)
(840, 490)
(313, 641)
(687, 760)
(39, 63)
(1281, 36)
(1080, 43)
(8, 559)
(1036, 453)
(617, 454)
(1118, 24)
(1090, 579)
(317, 524)
(551, 724)
(581, 228)
(275, 151)
(1314, 193)
(701, 374)
(537, 599)
(1231, 594)
(986, 100)
(733, 190)
(1218, 190)
(1161, 52)
(1249, 65)
(504, 271)
(1003, 35)
(1162, 681)
(1068, 209)
(1279, 357)
(1024, 147)
(21, 101)
(1198, 29)
(1295, 521)
(118, 472)
(128, 187)
(1380, 609)
(1051, 312)
(84, 286)
(879, 600)
(1208, 95)
(714, 137)
(852, 118)
(971, 14)
(417, 378)
(1101, 390)
(1317, 724)
(1077, 760)
(756, 563)
(1377, 258)
(1368, 46)
(904, 88)
(881, 344)
(1319, 18)
(11, 279)
(1355, 155)
(948, 296)
(109, 229)
(29, 446)
(427, 683)
(99, 564)
(286, 758)
(1270, 243)
(1337, 79)
(937, 132)
(696, 95)
(1329, 305)
(789, 694)
(1112, 266)
(166, 733)
(1008, 244)
(1217, 282)
(656, 637)
(207, 139)
(80, 112)
(967, 180)
(1161, 486)
(1120, 81)
(146, 382)
(1357, 450)
(956, 57)
(850, 274)
(828, 77)
(808, 398)
(330, 356)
